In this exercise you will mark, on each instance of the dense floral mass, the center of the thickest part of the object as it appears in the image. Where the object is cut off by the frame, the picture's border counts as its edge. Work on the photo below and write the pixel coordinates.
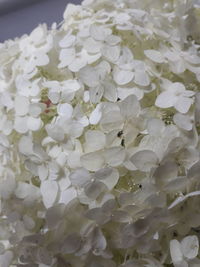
(99, 138)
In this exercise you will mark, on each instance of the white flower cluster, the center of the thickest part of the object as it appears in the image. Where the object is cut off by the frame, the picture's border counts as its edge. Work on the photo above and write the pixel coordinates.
(99, 138)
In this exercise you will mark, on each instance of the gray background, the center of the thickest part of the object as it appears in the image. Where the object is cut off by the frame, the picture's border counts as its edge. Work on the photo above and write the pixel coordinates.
(18, 17)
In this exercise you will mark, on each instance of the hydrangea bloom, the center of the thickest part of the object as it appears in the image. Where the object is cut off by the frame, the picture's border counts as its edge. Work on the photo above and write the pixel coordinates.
(99, 138)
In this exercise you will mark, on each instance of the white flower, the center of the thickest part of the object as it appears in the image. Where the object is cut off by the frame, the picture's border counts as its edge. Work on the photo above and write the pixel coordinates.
(184, 251)
(175, 96)
(99, 138)
(181, 60)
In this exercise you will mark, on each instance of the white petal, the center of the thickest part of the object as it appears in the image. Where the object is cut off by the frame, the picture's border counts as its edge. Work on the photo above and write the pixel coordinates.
(37, 34)
(155, 127)
(166, 100)
(183, 198)
(113, 39)
(121, 216)
(20, 124)
(6, 100)
(71, 10)
(124, 92)
(96, 93)
(92, 46)
(7, 187)
(183, 104)
(34, 124)
(93, 58)
(74, 160)
(89, 76)
(144, 160)
(177, 201)
(49, 191)
(26, 145)
(172, 56)
(98, 240)
(95, 140)
(183, 121)
(70, 85)
(42, 172)
(111, 180)
(130, 107)
(64, 183)
(54, 96)
(154, 55)
(34, 90)
(99, 33)
(67, 195)
(96, 115)
(80, 177)
(76, 129)
(177, 88)
(94, 189)
(77, 64)
(190, 246)
(65, 110)
(22, 190)
(103, 69)
(55, 132)
(141, 78)
(92, 161)
(114, 156)
(111, 53)
(67, 41)
(103, 173)
(21, 105)
(110, 92)
(111, 120)
(178, 66)
(192, 58)
(66, 57)
(176, 185)
(122, 77)
(35, 110)
(188, 93)
(39, 59)
(175, 251)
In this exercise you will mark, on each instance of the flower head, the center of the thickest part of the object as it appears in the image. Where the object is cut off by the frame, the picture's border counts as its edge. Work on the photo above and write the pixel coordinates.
(99, 138)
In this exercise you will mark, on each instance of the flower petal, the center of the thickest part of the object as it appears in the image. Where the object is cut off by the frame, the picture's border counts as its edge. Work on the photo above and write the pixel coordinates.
(166, 100)
(144, 160)
(122, 77)
(190, 246)
(65, 110)
(21, 105)
(175, 251)
(49, 191)
(154, 55)
(66, 57)
(92, 161)
(183, 104)
(183, 121)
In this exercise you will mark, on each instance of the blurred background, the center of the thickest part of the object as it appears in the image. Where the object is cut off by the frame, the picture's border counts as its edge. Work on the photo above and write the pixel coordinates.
(18, 17)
